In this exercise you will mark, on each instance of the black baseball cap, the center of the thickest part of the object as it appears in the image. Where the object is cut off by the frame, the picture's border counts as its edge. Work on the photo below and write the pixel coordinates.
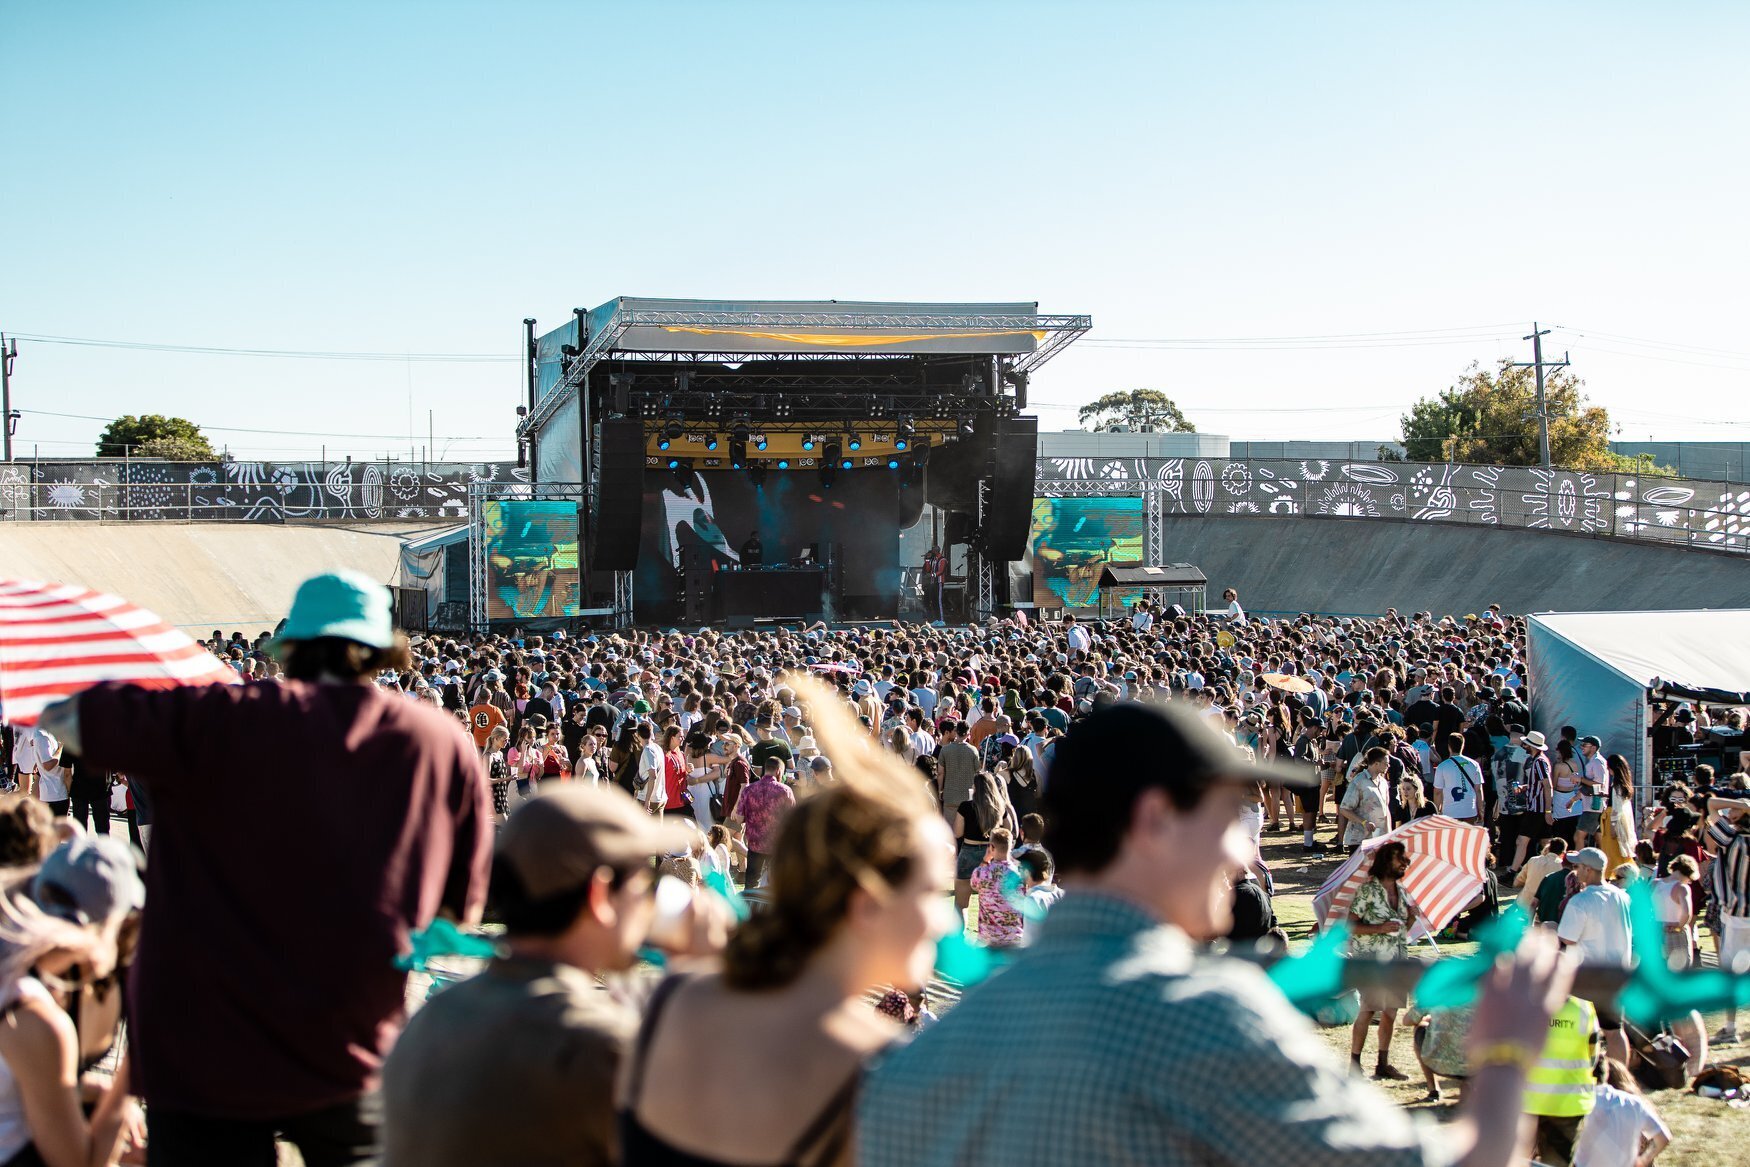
(1162, 744)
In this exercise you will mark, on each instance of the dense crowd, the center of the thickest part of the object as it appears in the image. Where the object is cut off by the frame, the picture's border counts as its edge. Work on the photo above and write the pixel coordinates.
(1101, 789)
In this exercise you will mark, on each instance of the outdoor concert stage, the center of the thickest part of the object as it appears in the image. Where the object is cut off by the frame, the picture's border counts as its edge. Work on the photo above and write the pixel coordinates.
(677, 429)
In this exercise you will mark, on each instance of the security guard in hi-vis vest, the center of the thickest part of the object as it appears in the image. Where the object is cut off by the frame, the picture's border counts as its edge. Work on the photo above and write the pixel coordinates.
(1559, 1089)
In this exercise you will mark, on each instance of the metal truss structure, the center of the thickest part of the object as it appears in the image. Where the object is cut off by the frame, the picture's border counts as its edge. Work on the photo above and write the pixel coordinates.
(1060, 331)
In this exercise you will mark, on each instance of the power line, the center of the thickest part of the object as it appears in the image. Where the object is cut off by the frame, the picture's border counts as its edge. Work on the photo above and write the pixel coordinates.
(294, 354)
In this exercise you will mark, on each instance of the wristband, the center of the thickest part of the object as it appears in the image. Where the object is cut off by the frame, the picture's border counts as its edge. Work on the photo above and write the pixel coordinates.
(1505, 1053)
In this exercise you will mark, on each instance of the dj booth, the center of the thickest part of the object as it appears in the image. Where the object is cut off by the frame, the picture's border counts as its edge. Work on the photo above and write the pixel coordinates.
(769, 592)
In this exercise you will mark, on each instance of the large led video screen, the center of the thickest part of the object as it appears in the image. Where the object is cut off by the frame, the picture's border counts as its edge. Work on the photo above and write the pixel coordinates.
(1073, 539)
(714, 512)
(531, 559)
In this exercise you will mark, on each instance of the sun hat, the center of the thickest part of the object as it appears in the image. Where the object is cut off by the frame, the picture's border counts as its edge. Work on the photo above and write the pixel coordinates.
(348, 605)
(1534, 741)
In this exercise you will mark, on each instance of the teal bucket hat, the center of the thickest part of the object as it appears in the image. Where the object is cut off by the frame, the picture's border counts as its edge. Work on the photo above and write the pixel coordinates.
(344, 604)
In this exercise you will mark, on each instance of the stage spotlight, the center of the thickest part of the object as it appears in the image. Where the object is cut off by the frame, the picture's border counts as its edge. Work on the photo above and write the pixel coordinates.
(737, 454)
(684, 465)
(808, 441)
(828, 471)
(966, 430)
(783, 463)
(711, 442)
(662, 443)
(757, 475)
(903, 434)
(845, 464)
(759, 443)
(852, 440)
(893, 463)
(921, 452)
(830, 455)
(673, 430)
(740, 431)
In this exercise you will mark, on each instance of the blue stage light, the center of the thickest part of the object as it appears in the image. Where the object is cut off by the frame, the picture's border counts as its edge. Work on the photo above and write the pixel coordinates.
(893, 463)
(759, 443)
(808, 443)
(662, 443)
(783, 463)
(845, 465)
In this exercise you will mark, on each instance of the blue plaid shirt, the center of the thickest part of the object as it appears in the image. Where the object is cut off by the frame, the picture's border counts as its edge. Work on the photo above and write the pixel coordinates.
(1109, 1041)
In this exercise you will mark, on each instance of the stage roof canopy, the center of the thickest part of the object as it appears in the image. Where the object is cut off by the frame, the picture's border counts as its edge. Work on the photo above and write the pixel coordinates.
(732, 331)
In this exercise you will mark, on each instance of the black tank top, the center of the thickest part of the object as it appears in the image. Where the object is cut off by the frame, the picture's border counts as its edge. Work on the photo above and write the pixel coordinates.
(822, 1142)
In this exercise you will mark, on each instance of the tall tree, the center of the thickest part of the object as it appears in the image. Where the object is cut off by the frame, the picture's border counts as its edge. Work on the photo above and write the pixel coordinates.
(1490, 416)
(1147, 409)
(153, 435)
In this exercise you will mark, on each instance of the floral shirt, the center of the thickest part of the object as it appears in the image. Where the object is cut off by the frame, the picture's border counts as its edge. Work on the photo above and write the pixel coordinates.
(1371, 906)
(762, 806)
(999, 924)
(1369, 799)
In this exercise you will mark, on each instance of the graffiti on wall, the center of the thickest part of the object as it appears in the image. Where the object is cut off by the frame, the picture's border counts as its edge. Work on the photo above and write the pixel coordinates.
(261, 492)
(1702, 514)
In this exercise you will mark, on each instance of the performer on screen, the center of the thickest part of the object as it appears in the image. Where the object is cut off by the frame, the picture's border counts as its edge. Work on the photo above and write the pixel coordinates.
(752, 554)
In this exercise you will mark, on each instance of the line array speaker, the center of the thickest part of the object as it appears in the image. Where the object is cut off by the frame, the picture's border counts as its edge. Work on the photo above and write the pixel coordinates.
(619, 498)
(1010, 512)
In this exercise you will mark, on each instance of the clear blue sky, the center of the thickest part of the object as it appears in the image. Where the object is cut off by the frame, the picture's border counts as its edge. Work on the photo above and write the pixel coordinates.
(417, 177)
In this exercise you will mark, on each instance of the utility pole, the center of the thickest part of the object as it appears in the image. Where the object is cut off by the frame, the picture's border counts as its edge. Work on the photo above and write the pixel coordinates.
(1537, 362)
(8, 419)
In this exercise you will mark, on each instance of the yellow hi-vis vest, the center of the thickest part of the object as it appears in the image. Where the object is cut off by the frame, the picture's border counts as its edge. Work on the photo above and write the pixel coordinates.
(1560, 1084)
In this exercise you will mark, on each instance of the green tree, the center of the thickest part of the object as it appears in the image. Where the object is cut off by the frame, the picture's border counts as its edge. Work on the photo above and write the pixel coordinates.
(1490, 416)
(153, 435)
(1144, 408)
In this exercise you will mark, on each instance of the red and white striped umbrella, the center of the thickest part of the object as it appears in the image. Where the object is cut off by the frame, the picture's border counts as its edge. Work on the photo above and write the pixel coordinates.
(56, 639)
(1447, 862)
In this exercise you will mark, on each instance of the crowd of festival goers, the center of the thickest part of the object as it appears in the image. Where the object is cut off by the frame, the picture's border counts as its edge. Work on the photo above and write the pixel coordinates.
(718, 867)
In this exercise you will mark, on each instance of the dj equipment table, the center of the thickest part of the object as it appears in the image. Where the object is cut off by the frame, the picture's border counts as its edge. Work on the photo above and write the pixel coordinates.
(769, 592)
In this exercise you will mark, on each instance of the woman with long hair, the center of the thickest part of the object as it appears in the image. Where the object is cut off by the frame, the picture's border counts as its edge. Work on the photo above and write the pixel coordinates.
(899, 741)
(526, 760)
(1023, 782)
(974, 820)
(623, 758)
(856, 879)
(497, 768)
(1616, 833)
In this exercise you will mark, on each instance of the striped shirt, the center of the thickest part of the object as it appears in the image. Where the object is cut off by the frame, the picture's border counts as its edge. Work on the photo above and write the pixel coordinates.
(1731, 876)
(1110, 1042)
(1535, 774)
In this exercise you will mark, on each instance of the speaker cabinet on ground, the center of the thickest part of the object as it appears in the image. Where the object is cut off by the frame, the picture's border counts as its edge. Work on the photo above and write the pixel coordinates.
(1010, 512)
(616, 523)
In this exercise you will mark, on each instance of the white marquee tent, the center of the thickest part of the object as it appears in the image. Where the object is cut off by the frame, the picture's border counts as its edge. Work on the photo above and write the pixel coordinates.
(1598, 671)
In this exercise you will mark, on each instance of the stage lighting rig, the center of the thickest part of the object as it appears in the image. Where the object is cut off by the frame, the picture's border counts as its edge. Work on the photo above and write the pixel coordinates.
(738, 453)
(853, 441)
(903, 434)
(832, 453)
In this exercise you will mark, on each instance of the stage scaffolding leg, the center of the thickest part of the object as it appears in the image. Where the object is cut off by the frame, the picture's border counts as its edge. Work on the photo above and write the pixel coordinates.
(622, 599)
(987, 589)
(1156, 551)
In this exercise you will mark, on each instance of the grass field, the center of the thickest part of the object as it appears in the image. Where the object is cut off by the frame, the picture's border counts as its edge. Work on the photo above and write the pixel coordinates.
(1704, 1132)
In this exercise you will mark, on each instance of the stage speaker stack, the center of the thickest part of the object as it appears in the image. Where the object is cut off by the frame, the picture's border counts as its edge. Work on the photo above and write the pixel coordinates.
(1010, 510)
(616, 520)
(696, 582)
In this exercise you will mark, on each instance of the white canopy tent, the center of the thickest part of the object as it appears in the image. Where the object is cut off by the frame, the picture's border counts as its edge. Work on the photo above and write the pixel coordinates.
(1598, 671)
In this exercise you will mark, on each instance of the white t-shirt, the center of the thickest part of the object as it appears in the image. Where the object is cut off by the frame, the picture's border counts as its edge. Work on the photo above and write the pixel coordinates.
(1611, 1135)
(653, 770)
(1236, 613)
(1424, 758)
(1596, 921)
(51, 781)
(1142, 621)
(1457, 780)
(1079, 639)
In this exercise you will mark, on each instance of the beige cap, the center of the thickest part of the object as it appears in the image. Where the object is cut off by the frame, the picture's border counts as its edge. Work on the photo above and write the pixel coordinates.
(556, 841)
